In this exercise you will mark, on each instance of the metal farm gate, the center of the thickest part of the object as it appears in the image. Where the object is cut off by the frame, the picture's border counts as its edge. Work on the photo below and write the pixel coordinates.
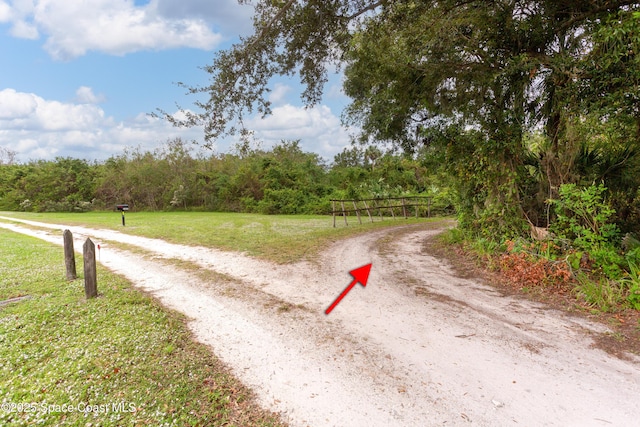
(391, 206)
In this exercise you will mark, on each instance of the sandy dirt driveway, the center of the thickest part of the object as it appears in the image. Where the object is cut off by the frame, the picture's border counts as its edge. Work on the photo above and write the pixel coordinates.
(419, 346)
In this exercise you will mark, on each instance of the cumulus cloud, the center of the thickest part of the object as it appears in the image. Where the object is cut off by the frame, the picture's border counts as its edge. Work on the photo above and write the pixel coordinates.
(279, 93)
(15, 105)
(227, 15)
(37, 128)
(318, 129)
(25, 30)
(85, 95)
(117, 27)
(5, 12)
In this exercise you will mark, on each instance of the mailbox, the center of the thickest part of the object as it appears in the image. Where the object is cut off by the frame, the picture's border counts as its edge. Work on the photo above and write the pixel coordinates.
(122, 207)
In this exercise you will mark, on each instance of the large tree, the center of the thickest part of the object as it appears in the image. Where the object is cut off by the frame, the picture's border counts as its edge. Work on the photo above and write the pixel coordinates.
(475, 75)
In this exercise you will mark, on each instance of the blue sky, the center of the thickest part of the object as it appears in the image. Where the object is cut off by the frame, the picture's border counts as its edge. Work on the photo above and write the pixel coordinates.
(78, 78)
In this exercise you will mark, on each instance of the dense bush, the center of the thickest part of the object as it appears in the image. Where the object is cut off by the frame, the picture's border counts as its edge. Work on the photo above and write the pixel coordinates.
(283, 180)
(63, 184)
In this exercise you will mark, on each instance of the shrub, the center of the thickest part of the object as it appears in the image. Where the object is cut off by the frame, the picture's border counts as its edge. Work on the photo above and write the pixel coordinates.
(632, 281)
(603, 294)
(283, 201)
(583, 217)
(26, 205)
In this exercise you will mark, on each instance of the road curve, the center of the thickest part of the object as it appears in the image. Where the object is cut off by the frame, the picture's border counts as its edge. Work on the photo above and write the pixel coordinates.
(419, 346)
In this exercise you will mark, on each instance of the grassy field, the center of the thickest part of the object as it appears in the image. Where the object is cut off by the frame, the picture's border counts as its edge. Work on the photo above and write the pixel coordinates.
(119, 359)
(275, 237)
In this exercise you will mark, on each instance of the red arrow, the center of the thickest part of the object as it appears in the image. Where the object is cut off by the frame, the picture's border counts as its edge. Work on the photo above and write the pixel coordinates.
(360, 275)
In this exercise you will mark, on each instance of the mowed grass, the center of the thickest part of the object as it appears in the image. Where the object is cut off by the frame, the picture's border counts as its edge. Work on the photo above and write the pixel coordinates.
(116, 360)
(279, 238)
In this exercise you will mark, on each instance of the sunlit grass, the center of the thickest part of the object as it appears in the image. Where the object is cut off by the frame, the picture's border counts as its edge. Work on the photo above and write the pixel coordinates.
(119, 359)
(279, 238)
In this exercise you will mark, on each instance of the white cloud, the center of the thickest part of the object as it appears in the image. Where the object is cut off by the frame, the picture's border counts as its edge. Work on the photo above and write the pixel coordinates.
(278, 93)
(27, 111)
(5, 12)
(117, 27)
(318, 129)
(85, 95)
(227, 15)
(37, 128)
(41, 129)
(24, 30)
(15, 105)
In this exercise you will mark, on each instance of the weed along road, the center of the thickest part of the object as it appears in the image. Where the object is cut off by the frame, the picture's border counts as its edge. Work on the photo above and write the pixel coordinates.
(420, 346)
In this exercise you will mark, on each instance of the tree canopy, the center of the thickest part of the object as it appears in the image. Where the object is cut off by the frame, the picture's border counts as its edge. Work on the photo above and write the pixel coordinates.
(474, 80)
(303, 37)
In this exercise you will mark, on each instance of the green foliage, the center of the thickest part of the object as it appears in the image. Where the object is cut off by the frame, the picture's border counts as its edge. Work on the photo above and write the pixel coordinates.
(632, 281)
(487, 187)
(583, 221)
(632, 256)
(454, 236)
(282, 201)
(282, 180)
(612, 67)
(64, 184)
(56, 348)
(486, 75)
(583, 217)
(603, 295)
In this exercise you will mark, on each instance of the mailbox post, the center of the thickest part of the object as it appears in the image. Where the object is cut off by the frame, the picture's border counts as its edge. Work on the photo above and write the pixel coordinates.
(122, 208)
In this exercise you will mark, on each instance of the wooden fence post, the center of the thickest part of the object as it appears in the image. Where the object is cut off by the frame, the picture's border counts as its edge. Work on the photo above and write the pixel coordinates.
(377, 206)
(368, 211)
(69, 255)
(333, 212)
(355, 207)
(344, 212)
(90, 279)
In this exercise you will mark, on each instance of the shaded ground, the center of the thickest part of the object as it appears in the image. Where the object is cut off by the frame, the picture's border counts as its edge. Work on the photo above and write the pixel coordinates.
(421, 345)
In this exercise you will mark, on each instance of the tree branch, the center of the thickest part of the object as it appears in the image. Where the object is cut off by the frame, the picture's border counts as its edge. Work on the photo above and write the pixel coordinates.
(366, 9)
(607, 6)
(273, 20)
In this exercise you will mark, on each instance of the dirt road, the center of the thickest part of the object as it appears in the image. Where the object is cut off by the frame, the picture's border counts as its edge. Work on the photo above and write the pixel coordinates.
(418, 346)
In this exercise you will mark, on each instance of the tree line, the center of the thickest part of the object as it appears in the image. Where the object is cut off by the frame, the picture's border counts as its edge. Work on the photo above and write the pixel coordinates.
(281, 180)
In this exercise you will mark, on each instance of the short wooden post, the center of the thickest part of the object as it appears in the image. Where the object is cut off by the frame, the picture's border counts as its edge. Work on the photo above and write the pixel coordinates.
(404, 208)
(355, 207)
(69, 255)
(90, 279)
(391, 207)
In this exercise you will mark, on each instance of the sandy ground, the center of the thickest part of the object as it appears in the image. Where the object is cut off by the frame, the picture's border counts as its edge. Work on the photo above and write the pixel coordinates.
(419, 346)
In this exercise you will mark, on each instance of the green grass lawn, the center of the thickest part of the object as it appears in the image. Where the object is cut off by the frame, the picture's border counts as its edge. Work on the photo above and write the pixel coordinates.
(119, 359)
(279, 238)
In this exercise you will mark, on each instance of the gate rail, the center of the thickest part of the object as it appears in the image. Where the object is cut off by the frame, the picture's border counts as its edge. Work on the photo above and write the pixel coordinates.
(401, 205)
